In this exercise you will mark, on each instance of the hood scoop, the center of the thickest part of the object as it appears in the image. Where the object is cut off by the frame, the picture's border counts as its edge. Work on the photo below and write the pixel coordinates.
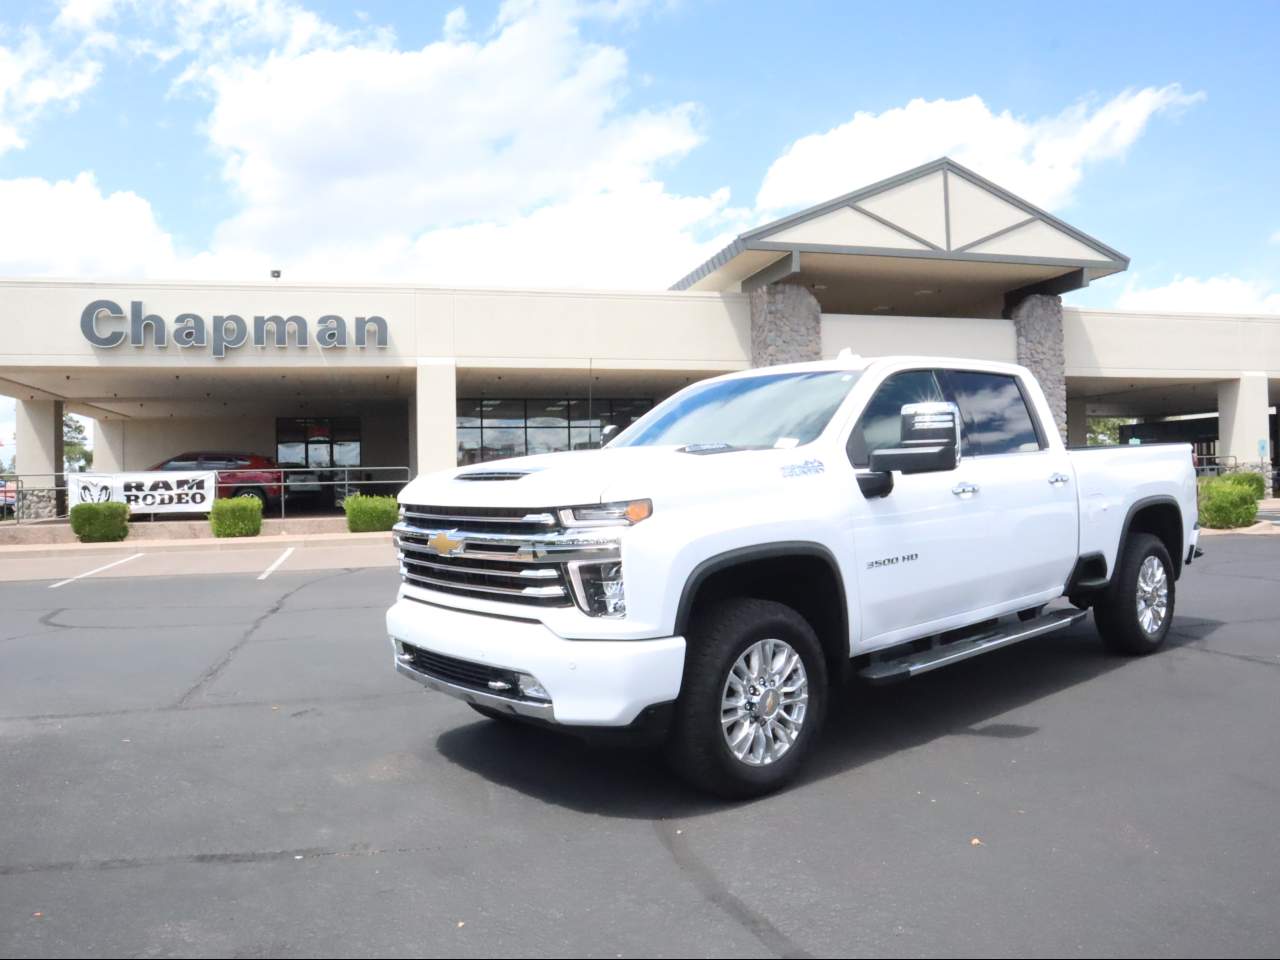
(492, 475)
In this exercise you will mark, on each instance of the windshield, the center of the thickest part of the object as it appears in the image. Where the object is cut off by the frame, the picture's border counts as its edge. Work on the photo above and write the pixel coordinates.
(773, 410)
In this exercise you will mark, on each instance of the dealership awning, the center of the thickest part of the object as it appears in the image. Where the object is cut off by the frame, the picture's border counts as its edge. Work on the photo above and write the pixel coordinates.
(937, 240)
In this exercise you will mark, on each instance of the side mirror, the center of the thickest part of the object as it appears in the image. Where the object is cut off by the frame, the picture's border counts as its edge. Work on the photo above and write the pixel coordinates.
(608, 433)
(930, 441)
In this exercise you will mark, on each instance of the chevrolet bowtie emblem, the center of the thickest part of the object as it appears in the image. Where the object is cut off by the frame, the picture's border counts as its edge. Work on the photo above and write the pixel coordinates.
(444, 544)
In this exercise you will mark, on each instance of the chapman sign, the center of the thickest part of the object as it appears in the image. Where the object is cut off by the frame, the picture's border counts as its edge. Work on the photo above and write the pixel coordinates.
(167, 491)
(104, 324)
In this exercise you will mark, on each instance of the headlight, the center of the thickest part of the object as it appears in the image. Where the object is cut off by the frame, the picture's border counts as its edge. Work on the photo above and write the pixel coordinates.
(598, 587)
(621, 514)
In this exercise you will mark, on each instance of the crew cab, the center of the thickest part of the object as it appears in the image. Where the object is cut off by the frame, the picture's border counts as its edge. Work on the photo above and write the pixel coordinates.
(719, 570)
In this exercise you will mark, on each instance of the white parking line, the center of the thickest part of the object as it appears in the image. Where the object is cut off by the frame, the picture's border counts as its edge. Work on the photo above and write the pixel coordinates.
(279, 560)
(90, 573)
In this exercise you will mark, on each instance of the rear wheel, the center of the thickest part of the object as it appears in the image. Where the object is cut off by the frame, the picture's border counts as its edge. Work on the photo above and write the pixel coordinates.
(256, 493)
(1134, 615)
(752, 701)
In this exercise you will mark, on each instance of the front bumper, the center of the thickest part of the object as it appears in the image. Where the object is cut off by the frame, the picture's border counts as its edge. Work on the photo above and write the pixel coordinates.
(605, 683)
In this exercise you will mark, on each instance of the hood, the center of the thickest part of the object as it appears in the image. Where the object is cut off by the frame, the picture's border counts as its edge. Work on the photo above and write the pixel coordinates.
(600, 476)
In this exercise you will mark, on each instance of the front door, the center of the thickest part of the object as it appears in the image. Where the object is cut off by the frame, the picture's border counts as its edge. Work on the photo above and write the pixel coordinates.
(913, 547)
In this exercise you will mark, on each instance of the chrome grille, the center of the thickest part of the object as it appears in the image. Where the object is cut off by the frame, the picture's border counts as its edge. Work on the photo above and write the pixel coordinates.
(501, 553)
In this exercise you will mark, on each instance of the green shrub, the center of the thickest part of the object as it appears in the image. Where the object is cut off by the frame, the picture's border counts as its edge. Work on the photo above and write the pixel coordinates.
(100, 522)
(236, 517)
(365, 514)
(1224, 504)
(1255, 483)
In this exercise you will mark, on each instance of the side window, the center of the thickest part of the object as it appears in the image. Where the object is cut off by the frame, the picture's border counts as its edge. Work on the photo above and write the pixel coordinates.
(996, 418)
(881, 422)
(181, 463)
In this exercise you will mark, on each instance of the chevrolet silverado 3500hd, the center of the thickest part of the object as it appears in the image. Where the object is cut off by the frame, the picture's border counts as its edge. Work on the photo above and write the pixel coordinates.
(717, 571)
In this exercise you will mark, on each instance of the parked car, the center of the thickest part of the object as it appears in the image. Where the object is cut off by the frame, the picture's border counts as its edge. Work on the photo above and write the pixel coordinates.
(727, 561)
(239, 474)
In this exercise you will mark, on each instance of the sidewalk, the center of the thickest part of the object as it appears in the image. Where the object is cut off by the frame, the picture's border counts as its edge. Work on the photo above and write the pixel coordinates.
(16, 551)
(55, 532)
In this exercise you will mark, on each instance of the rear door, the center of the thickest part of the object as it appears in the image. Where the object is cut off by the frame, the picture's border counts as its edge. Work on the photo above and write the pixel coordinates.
(1022, 490)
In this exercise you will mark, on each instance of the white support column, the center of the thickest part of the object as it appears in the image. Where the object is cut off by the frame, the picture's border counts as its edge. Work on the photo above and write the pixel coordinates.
(1077, 423)
(436, 416)
(108, 446)
(1243, 422)
(39, 437)
(38, 458)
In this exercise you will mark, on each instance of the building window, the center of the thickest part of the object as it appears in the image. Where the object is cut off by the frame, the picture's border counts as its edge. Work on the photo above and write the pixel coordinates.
(493, 429)
(318, 441)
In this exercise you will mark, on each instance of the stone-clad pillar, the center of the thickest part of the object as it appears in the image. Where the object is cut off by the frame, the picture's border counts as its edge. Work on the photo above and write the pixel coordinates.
(786, 325)
(38, 457)
(1037, 322)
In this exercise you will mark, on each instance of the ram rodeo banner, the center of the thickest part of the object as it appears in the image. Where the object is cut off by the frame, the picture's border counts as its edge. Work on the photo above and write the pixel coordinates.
(722, 567)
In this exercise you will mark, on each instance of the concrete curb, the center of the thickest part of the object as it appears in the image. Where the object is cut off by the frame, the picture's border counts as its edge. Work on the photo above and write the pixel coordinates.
(1262, 527)
(277, 541)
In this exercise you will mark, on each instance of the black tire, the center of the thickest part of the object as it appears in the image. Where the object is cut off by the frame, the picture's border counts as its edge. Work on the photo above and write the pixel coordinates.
(697, 747)
(491, 713)
(1116, 613)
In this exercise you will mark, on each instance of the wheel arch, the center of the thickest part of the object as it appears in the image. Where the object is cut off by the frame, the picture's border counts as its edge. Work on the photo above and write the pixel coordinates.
(1160, 516)
(804, 575)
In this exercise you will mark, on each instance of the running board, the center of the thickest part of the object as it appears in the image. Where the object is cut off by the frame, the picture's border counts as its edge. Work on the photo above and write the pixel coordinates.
(912, 664)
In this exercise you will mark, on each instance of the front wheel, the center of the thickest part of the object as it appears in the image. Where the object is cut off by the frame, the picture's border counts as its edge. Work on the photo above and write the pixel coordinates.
(1134, 615)
(752, 701)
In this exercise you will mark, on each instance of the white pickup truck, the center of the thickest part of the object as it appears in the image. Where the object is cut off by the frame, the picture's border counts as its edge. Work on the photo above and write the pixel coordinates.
(724, 565)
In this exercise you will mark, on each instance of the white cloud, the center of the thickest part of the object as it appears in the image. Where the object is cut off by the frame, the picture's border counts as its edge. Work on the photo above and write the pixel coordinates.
(455, 24)
(1220, 294)
(70, 228)
(85, 15)
(1042, 160)
(33, 78)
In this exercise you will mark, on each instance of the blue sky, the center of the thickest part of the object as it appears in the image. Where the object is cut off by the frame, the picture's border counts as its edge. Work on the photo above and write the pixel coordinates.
(617, 143)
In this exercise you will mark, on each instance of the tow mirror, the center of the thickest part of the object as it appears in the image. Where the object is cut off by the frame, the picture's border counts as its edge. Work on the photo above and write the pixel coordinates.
(930, 441)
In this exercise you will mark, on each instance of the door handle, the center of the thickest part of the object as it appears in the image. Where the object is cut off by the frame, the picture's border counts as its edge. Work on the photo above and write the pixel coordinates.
(964, 489)
(1058, 479)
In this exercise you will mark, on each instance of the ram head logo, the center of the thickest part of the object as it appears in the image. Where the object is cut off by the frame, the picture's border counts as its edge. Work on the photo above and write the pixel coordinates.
(92, 492)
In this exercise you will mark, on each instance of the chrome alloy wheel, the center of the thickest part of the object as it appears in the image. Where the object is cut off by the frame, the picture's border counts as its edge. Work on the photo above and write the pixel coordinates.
(764, 701)
(1153, 595)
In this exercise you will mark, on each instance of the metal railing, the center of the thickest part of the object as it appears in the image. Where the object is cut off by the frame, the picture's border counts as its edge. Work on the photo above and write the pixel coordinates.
(1212, 466)
(43, 497)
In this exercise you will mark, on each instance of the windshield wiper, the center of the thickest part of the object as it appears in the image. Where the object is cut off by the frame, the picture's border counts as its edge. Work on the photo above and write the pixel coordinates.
(718, 446)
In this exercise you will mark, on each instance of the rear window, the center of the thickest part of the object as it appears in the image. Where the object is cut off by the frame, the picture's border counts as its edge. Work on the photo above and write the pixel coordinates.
(995, 414)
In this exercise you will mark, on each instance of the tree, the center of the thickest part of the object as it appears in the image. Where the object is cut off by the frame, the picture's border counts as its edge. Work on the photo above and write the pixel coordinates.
(76, 454)
(1105, 431)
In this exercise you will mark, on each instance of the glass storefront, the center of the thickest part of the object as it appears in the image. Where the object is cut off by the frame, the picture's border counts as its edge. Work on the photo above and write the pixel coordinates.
(492, 429)
(318, 441)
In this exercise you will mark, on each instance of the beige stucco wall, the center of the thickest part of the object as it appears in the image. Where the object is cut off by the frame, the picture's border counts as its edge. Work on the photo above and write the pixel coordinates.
(40, 321)
(1126, 344)
(876, 336)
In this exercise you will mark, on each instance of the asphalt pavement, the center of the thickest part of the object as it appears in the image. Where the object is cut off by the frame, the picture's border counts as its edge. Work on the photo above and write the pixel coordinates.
(216, 764)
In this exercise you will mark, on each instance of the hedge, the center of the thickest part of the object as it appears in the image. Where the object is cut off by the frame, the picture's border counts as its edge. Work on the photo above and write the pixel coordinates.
(365, 514)
(236, 517)
(100, 522)
(1255, 483)
(1224, 504)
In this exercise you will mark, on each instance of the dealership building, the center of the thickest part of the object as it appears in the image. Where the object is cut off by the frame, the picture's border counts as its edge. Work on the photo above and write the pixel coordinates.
(935, 261)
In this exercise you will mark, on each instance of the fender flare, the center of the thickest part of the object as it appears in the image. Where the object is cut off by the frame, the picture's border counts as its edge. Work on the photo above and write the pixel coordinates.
(762, 551)
(1139, 505)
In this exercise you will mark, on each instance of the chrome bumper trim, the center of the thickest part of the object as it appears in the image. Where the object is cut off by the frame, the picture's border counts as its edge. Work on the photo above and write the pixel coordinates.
(524, 708)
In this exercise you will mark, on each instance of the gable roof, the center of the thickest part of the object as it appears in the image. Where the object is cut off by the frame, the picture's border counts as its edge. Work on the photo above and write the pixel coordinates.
(938, 211)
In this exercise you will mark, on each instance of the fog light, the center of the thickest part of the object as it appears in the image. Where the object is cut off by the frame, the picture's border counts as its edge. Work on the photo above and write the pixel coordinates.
(599, 588)
(531, 688)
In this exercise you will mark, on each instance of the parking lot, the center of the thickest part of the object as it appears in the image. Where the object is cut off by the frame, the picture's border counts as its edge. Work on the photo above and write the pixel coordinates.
(197, 761)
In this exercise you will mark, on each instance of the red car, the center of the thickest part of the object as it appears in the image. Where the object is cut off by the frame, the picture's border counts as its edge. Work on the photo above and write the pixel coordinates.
(239, 474)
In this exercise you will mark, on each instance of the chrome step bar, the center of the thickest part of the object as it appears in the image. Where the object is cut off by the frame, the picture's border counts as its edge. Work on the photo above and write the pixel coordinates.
(922, 661)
